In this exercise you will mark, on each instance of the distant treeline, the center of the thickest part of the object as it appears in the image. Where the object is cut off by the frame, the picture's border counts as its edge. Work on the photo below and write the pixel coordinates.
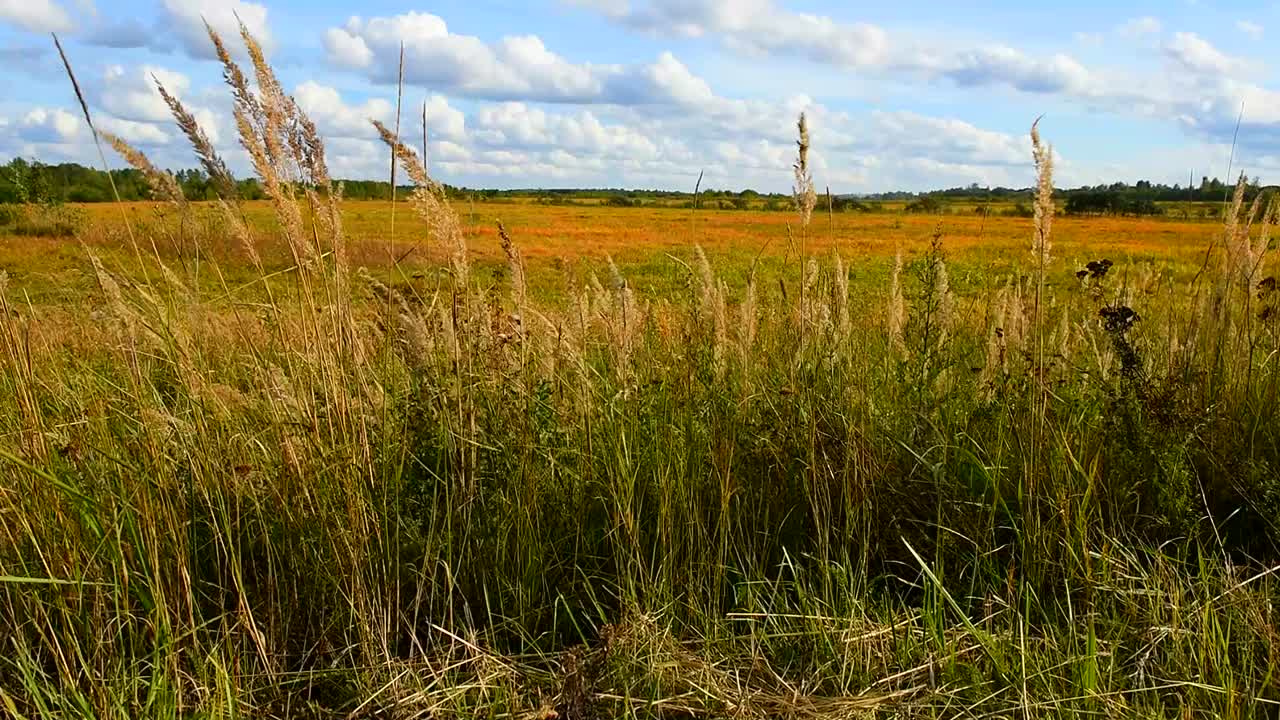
(1141, 198)
(23, 181)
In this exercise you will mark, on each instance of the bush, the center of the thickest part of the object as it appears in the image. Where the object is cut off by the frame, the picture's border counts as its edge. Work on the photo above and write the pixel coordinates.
(10, 214)
(44, 221)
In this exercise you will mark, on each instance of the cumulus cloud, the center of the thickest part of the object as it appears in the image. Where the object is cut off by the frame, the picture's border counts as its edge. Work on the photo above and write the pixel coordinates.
(518, 67)
(1197, 55)
(138, 134)
(948, 140)
(44, 125)
(762, 28)
(187, 18)
(335, 117)
(754, 26)
(1137, 27)
(35, 15)
(131, 94)
(120, 34)
(998, 64)
(1250, 28)
(514, 124)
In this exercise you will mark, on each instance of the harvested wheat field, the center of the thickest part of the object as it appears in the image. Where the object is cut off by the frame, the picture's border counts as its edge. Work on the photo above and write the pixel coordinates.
(271, 452)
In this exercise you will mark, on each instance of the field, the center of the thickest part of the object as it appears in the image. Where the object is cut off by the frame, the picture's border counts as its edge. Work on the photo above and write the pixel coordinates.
(563, 245)
(298, 459)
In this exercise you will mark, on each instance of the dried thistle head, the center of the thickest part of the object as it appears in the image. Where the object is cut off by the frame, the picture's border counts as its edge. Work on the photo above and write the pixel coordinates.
(806, 196)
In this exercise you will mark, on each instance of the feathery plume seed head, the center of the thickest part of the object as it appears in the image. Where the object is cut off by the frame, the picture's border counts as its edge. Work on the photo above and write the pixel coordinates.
(515, 265)
(897, 316)
(162, 183)
(1044, 208)
(431, 202)
(946, 299)
(806, 196)
(223, 183)
(747, 318)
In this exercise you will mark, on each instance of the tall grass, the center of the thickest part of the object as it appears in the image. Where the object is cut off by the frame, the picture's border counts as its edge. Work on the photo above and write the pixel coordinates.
(344, 498)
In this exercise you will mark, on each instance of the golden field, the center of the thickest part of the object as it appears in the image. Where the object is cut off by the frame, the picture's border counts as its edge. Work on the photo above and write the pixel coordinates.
(563, 244)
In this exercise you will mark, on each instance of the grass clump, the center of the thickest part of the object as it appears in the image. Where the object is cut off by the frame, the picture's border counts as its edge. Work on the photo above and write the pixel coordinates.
(356, 498)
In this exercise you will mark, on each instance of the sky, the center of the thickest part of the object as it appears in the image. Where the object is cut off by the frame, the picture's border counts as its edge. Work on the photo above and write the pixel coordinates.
(650, 93)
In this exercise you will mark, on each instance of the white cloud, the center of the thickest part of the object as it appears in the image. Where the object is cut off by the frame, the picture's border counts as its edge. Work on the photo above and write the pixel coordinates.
(1197, 55)
(120, 34)
(762, 28)
(187, 18)
(1250, 28)
(346, 49)
(757, 27)
(1089, 39)
(517, 125)
(35, 15)
(1138, 27)
(43, 125)
(948, 140)
(131, 94)
(135, 133)
(334, 117)
(998, 64)
(513, 68)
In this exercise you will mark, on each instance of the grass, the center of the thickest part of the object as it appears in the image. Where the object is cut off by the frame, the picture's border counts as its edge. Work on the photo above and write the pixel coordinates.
(295, 489)
(564, 245)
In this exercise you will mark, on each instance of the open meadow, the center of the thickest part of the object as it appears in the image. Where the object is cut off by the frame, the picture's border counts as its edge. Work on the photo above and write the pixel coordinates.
(298, 458)
(562, 244)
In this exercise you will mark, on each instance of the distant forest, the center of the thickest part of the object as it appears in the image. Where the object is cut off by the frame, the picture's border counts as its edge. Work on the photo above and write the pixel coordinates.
(24, 181)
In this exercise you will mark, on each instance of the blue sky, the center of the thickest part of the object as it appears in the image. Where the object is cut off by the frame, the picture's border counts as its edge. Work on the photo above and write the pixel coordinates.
(648, 93)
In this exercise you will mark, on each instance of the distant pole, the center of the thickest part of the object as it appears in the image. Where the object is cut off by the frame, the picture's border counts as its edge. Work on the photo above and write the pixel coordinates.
(425, 167)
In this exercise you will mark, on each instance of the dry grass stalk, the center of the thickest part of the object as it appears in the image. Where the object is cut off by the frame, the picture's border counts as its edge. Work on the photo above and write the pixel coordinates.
(117, 308)
(804, 192)
(214, 167)
(840, 289)
(997, 348)
(625, 329)
(431, 202)
(748, 318)
(515, 266)
(1258, 250)
(897, 311)
(1064, 336)
(97, 143)
(223, 182)
(399, 97)
(946, 298)
(162, 183)
(1041, 244)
